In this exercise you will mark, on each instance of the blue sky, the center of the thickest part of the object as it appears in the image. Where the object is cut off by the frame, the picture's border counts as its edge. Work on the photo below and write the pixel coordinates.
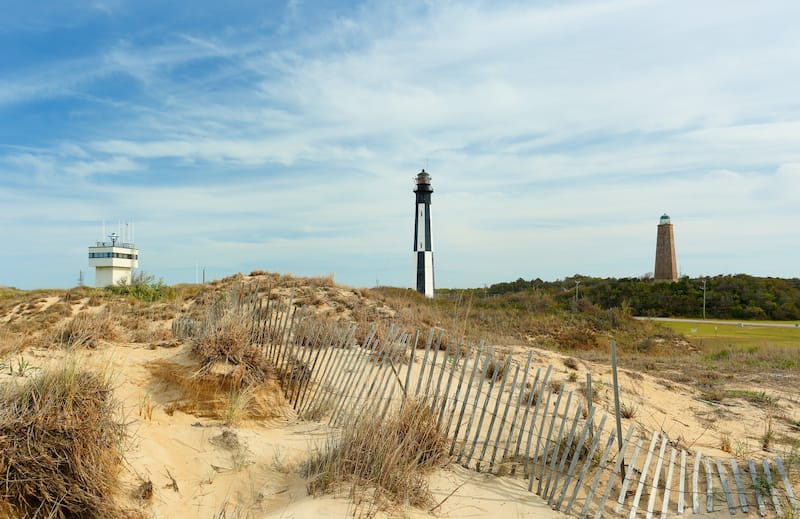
(285, 136)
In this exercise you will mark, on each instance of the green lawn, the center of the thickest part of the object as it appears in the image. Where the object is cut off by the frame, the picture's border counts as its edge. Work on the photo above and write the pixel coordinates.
(734, 334)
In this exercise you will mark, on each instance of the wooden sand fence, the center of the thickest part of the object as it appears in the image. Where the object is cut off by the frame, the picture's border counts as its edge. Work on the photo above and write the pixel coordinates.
(503, 417)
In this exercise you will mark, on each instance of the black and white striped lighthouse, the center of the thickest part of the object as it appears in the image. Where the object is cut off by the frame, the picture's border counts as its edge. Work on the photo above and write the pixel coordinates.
(422, 235)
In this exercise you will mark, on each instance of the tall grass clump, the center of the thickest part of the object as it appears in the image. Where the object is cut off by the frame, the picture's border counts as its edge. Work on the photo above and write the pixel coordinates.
(85, 329)
(61, 439)
(228, 340)
(382, 461)
(234, 379)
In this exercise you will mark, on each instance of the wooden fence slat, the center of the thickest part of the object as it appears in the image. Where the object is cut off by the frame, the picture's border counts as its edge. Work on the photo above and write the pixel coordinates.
(623, 492)
(567, 446)
(611, 478)
(522, 387)
(587, 428)
(424, 361)
(290, 357)
(368, 405)
(786, 484)
(481, 381)
(558, 443)
(321, 380)
(336, 358)
(347, 375)
(695, 486)
(709, 487)
(363, 377)
(682, 483)
(643, 475)
(539, 432)
(533, 392)
(739, 487)
(762, 509)
(775, 501)
(656, 477)
(387, 376)
(446, 398)
(411, 363)
(318, 359)
(534, 461)
(546, 443)
(498, 438)
(300, 370)
(495, 374)
(445, 359)
(457, 394)
(488, 435)
(467, 395)
(454, 404)
(668, 482)
(725, 488)
(437, 340)
(279, 338)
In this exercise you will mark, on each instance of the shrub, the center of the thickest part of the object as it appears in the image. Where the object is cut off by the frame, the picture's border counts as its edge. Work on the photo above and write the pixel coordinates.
(144, 287)
(388, 456)
(61, 442)
(84, 330)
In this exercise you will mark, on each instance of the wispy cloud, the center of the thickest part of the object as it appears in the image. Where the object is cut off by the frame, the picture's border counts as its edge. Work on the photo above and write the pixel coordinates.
(286, 135)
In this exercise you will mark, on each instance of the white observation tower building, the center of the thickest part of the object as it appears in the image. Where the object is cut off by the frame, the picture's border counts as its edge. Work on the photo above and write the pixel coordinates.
(422, 235)
(113, 261)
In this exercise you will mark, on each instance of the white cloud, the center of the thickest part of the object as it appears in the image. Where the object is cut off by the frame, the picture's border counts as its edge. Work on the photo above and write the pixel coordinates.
(552, 132)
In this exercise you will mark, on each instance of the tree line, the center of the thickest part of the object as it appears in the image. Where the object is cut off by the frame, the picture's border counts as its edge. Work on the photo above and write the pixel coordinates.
(737, 296)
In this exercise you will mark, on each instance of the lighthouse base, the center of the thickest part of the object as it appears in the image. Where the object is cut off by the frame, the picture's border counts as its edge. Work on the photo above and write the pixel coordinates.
(425, 273)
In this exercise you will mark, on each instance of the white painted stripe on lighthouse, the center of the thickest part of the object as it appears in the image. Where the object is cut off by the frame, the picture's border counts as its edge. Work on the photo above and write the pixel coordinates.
(430, 231)
(421, 245)
(428, 274)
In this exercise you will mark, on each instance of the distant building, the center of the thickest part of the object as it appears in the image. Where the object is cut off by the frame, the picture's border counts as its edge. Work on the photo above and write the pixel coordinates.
(113, 261)
(666, 267)
(422, 235)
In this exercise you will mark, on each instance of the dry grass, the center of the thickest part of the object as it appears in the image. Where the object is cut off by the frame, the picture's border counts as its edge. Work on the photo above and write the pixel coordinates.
(61, 441)
(384, 457)
(228, 341)
(628, 410)
(85, 330)
(229, 377)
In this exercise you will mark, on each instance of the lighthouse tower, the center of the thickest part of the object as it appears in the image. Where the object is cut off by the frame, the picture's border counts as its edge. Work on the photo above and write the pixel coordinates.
(113, 261)
(422, 235)
(666, 267)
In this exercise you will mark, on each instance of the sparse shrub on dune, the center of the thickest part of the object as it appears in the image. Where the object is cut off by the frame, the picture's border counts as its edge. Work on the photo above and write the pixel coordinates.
(85, 329)
(228, 376)
(61, 439)
(381, 461)
(228, 339)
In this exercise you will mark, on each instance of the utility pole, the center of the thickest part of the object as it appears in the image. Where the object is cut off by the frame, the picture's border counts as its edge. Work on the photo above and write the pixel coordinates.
(576, 290)
(704, 299)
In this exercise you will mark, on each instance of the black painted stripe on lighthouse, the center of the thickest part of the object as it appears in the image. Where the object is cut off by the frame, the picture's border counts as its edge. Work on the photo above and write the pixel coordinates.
(420, 272)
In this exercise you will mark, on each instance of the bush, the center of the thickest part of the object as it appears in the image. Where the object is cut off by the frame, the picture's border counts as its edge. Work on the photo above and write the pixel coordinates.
(60, 445)
(388, 456)
(84, 330)
(144, 287)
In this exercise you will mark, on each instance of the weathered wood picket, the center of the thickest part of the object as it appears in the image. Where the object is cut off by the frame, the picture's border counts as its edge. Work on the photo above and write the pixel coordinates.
(496, 414)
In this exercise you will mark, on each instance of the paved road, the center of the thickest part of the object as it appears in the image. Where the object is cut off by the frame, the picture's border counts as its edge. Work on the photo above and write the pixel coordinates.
(708, 321)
